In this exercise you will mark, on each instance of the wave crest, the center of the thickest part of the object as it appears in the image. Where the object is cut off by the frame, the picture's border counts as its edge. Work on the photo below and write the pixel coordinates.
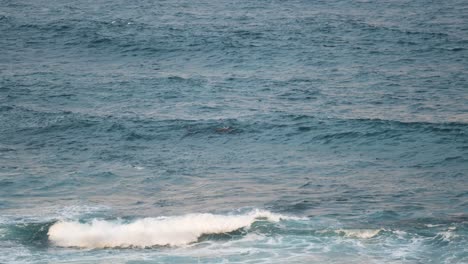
(147, 232)
(359, 233)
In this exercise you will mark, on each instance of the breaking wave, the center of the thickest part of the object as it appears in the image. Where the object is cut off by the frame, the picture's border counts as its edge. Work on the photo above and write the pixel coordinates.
(359, 233)
(147, 232)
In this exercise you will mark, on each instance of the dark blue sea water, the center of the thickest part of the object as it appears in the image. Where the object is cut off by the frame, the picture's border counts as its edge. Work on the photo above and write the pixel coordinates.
(234, 131)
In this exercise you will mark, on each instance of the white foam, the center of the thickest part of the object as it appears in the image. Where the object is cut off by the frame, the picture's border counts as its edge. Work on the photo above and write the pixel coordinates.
(447, 235)
(359, 233)
(399, 233)
(432, 225)
(146, 232)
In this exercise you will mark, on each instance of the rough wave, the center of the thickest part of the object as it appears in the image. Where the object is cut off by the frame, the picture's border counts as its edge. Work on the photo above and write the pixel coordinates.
(147, 232)
(359, 233)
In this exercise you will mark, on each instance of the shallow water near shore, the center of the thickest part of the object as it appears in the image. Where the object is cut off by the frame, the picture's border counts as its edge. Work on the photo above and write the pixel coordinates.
(233, 132)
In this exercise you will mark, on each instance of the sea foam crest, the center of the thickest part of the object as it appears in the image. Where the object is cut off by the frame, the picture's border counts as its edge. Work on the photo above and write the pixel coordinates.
(146, 232)
(359, 233)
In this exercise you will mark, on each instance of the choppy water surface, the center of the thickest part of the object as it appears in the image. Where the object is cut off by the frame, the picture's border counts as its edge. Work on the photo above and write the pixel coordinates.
(234, 132)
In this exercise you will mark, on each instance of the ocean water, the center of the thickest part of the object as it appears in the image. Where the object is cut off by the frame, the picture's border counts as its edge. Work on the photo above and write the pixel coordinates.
(234, 131)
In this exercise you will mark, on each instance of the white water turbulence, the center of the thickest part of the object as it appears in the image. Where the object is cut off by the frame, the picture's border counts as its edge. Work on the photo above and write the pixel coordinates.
(359, 233)
(147, 232)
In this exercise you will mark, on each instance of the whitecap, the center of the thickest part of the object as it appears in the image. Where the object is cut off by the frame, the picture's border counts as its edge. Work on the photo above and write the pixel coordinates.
(147, 232)
(359, 233)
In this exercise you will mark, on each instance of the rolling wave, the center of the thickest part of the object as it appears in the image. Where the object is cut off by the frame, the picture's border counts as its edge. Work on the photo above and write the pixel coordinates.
(147, 232)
